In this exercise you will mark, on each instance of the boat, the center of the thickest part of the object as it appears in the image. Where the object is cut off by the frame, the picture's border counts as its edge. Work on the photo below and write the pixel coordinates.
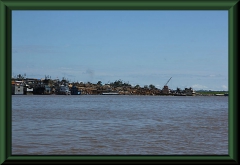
(64, 90)
(180, 94)
(219, 94)
(110, 93)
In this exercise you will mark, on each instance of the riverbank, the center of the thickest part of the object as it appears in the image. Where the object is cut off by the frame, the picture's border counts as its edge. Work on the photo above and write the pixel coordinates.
(28, 86)
(212, 93)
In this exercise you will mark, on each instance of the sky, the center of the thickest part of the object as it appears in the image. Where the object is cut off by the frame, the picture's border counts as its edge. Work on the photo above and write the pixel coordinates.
(136, 47)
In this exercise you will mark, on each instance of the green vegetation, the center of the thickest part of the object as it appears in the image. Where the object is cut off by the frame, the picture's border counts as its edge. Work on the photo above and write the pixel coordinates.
(151, 86)
(119, 83)
(210, 92)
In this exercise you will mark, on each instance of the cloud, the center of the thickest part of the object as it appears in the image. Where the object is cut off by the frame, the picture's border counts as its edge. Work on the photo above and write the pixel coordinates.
(65, 68)
(198, 87)
(33, 49)
(224, 87)
(212, 75)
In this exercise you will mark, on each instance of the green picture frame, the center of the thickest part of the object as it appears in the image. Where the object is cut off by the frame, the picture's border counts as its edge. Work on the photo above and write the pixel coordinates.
(6, 7)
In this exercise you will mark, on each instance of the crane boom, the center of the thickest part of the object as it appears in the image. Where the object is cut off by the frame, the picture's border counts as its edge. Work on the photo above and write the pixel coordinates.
(168, 81)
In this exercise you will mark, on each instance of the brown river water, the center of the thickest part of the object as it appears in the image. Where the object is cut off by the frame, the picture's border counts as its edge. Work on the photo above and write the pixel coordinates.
(119, 125)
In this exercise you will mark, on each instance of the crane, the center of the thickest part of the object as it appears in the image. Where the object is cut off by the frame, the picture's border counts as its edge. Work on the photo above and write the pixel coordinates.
(167, 82)
(165, 89)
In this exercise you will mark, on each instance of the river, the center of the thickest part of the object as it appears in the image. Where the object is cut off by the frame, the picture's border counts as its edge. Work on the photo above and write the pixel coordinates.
(119, 125)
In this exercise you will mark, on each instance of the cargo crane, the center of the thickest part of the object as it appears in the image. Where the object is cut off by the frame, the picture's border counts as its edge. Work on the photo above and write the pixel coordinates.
(165, 89)
(168, 81)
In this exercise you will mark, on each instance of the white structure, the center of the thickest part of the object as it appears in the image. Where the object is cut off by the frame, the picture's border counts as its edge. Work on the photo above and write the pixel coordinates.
(28, 90)
(17, 88)
(64, 90)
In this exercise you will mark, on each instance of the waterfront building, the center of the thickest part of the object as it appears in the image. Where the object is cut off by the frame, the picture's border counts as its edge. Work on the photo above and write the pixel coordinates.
(165, 90)
(17, 88)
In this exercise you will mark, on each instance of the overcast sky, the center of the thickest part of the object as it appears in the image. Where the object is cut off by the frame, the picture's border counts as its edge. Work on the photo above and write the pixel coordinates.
(138, 47)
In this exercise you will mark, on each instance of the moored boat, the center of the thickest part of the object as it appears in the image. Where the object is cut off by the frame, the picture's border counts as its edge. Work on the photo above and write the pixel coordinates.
(110, 93)
(219, 94)
(180, 94)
